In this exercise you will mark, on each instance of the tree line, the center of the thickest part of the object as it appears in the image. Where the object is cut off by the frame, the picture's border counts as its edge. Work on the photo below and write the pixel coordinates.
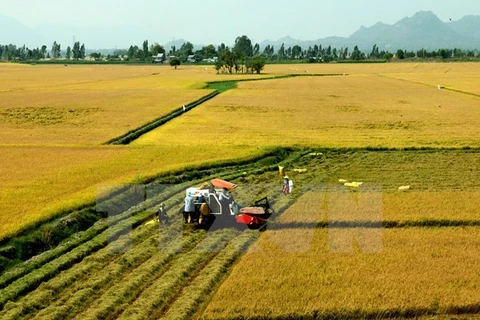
(243, 56)
(13, 53)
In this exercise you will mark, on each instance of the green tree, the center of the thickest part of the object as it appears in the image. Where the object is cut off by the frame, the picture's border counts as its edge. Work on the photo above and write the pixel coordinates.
(218, 65)
(96, 55)
(443, 53)
(356, 54)
(29, 54)
(156, 48)
(316, 51)
(76, 51)
(344, 53)
(281, 52)
(258, 63)
(185, 50)
(43, 51)
(209, 51)
(145, 49)
(374, 54)
(69, 53)
(256, 49)
(243, 45)
(422, 53)
(220, 49)
(268, 51)
(296, 52)
(400, 54)
(131, 52)
(22, 53)
(229, 59)
(139, 55)
(56, 50)
(288, 53)
(329, 51)
(388, 56)
(82, 51)
(175, 62)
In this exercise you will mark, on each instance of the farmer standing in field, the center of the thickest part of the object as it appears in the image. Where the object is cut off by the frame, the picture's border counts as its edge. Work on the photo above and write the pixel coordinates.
(290, 186)
(162, 215)
(286, 187)
(189, 209)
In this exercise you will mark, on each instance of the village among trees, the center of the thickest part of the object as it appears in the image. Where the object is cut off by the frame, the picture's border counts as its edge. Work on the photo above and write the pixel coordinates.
(243, 56)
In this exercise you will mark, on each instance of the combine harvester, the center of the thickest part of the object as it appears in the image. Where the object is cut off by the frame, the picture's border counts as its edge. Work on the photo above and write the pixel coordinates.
(227, 211)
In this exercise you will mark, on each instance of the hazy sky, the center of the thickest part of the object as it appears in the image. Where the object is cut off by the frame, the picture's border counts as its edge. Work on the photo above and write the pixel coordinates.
(215, 21)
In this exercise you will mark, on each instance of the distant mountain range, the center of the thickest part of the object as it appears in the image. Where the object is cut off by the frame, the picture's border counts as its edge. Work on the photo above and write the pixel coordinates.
(422, 30)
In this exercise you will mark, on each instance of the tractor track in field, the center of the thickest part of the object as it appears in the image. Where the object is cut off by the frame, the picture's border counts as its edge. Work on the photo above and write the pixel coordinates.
(54, 286)
(116, 298)
(133, 276)
(100, 227)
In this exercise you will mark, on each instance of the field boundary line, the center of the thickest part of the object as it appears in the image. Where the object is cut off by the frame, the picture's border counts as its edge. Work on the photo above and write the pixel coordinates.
(430, 85)
(282, 76)
(134, 134)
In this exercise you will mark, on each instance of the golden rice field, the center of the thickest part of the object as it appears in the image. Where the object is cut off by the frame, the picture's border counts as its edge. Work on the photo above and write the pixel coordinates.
(313, 262)
(89, 104)
(55, 117)
(39, 182)
(397, 207)
(443, 184)
(417, 269)
(304, 272)
(357, 110)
